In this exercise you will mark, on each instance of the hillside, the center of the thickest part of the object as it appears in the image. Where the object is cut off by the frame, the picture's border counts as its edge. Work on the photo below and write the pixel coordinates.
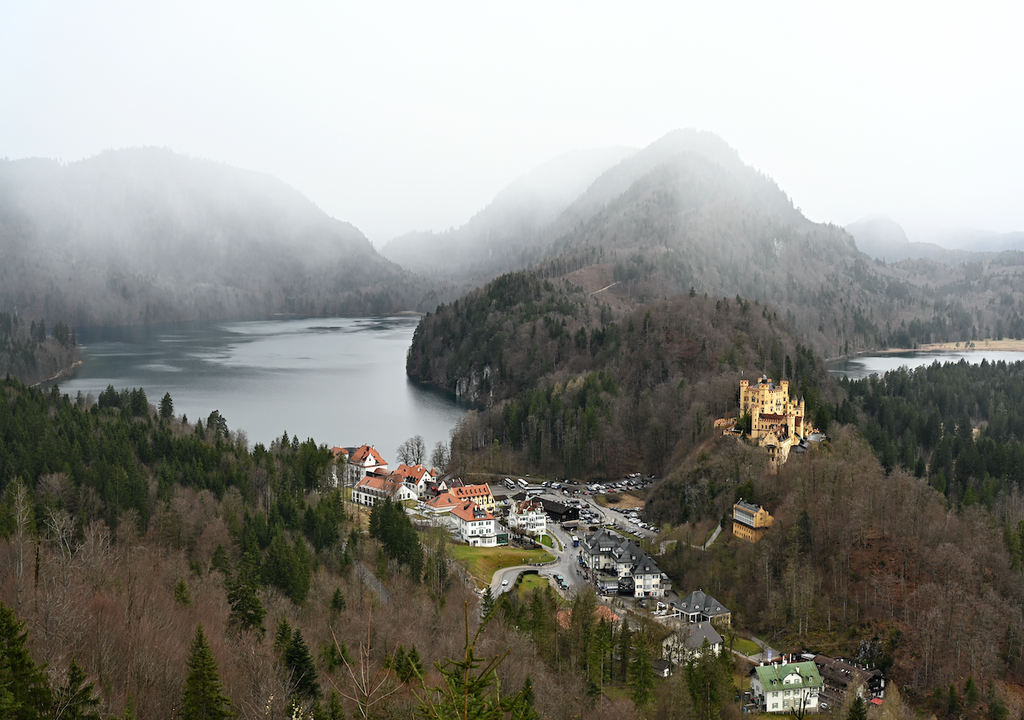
(574, 387)
(507, 233)
(146, 235)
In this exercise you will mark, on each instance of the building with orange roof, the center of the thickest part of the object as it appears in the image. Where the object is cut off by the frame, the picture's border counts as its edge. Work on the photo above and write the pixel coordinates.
(527, 517)
(373, 489)
(480, 494)
(416, 476)
(474, 524)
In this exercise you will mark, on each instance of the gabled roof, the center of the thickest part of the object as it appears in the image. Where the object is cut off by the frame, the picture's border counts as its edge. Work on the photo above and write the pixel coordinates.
(412, 473)
(379, 483)
(524, 506)
(364, 453)
(801, 674)
(471, 512)
(699, 601)
(339, 451)
(444, 501)
(695, 634)
(471, 491)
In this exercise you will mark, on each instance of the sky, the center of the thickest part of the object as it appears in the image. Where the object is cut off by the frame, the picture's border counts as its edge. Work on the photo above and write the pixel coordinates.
(401, 116)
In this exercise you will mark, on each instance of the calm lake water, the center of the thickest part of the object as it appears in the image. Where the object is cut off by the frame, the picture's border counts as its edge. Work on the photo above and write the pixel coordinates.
(340, 381)
(862, 367)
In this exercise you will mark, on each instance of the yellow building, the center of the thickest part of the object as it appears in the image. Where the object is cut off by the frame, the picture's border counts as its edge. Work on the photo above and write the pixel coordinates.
(776, 422)
(750, 522)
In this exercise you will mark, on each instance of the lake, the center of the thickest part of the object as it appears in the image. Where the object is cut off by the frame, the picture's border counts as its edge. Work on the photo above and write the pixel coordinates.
(861, 367)
(340, 381)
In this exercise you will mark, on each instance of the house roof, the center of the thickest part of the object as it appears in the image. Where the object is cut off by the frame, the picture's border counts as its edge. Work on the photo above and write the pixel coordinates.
(380, 484)
(365, 453)
(338, 451)
(523, 506)
(444, 501)
(601, 612)
(694, 635)
(699, 601)
(469, 511)
(412, 473)
(471, 491)
(791, 675)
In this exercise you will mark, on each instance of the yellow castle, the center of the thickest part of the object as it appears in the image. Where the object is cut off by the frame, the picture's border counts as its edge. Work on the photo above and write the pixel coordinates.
(776, 422)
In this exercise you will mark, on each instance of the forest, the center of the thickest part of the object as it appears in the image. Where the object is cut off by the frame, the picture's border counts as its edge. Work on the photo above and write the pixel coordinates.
(573, 387)
(142, 553)
(32, 355)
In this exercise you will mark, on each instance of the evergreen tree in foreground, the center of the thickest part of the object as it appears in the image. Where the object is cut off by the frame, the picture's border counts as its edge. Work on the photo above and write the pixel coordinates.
(24, 689)
(301, 668)
(202, 697)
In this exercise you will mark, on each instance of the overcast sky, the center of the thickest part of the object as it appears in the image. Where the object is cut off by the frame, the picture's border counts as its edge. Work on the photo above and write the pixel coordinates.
(402, 116)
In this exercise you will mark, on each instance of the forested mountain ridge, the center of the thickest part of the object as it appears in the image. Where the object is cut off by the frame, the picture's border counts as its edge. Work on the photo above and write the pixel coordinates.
(509, 232)
(147, 235)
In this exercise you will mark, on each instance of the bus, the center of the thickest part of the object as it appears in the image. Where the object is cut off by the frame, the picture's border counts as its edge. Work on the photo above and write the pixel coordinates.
(509, 484)
(575, 541)
(523, 483)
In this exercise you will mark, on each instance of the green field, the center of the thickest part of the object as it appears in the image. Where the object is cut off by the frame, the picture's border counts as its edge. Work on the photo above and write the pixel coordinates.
(546, 540)
(482, 563)
(747, 647)
(531, 583)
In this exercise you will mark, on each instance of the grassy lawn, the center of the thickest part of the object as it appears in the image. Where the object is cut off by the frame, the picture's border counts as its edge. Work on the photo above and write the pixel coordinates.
(546, 540)
(482, 563)
(531, 583)
(747, 647)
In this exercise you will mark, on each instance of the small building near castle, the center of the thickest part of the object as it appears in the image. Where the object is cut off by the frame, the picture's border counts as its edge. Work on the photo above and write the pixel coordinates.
(750, 522)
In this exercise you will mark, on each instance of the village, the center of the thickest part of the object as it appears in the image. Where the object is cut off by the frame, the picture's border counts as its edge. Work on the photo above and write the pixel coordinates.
(600, 548)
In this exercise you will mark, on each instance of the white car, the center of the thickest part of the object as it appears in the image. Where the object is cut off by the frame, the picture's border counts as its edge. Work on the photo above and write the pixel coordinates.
(504, 583)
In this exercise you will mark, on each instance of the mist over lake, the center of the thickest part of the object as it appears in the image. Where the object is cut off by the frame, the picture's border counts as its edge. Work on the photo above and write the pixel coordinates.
(340, 381)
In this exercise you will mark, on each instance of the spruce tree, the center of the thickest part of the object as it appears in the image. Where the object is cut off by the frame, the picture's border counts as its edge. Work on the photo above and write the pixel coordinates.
(24, 689)
(858, 710)
(487, 603)
(641, 672)
(75, 701)
(247, 612)
(301, 668)
(202, 698)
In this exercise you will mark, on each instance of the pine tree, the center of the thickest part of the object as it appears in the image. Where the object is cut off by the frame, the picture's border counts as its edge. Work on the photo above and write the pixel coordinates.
(858, 710)
(247, 612)
(202, 697)
(301, 668)
(641, 672)
(282, 636)
(24, 688)
(75, 701)
(182, 596)
(952, 702)
(337, 601)
(525, 709)
(625, 648)
(971, 693)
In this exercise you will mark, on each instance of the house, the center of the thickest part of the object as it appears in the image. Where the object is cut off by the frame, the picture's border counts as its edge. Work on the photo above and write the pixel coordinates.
(415, 476)
(662, 668)
(365, 460)
(558, 512)
(474, 524)
(375, 488)
(527, 517)
(776, 422)
(480, 494)
(840, 676)
(750, 522)
(608, 554)
(786, 688)
(688, 641)
(698, 607)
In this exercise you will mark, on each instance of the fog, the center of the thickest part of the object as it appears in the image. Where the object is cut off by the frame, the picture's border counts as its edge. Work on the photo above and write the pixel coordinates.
(402, 117)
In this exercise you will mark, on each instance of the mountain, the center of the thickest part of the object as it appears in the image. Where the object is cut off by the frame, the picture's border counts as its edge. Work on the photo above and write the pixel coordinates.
(504, 235)
(884, 239)
(147, 235)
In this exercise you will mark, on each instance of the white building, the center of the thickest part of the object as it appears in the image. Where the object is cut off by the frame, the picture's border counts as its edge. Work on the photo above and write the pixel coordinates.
(474, 524)
(688, 641)
(786, 688)
(527, 517)
(374, 488)
(606, 552)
